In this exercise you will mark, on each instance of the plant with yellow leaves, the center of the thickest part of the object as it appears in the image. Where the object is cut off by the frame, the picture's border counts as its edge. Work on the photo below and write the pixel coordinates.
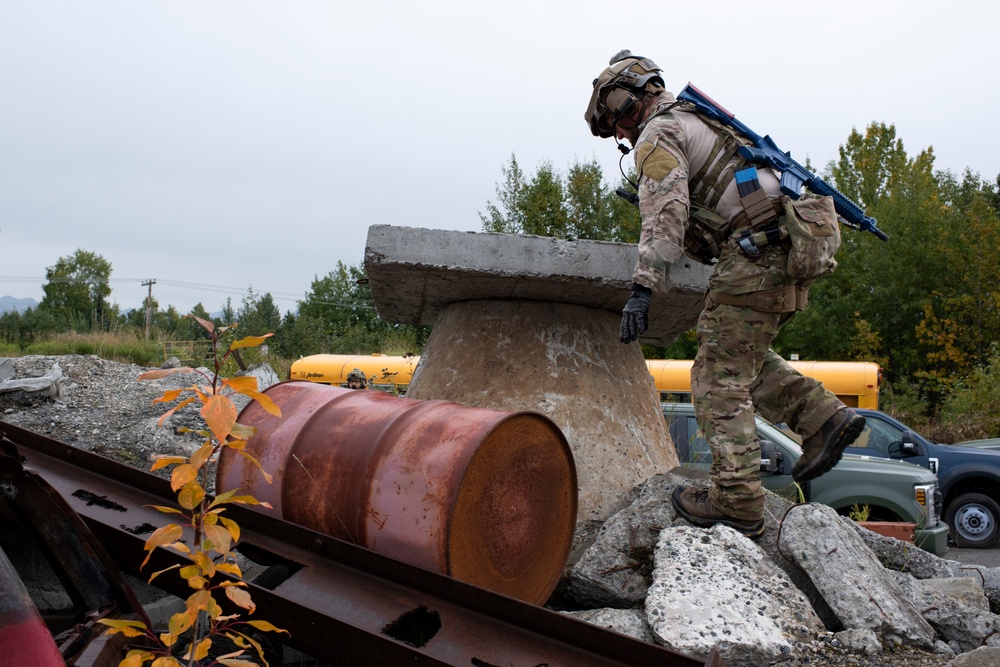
(203, 532)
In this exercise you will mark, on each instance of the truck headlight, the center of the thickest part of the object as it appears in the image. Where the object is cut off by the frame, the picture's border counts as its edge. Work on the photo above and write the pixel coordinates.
(926, 496)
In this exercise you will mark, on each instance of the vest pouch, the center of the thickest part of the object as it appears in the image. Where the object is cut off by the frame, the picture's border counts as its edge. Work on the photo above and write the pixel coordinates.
(814, 232)
(706, 233)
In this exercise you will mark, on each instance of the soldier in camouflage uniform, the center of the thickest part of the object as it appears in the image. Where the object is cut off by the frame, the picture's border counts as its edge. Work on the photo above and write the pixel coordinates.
(356, 379)
(694, 200)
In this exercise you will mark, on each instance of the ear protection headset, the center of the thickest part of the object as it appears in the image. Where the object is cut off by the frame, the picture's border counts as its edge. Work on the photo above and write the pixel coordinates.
(620, 102)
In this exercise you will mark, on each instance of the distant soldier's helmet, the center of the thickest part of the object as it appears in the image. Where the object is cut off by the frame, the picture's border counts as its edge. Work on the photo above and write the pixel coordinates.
(618, 89)
(356, 374)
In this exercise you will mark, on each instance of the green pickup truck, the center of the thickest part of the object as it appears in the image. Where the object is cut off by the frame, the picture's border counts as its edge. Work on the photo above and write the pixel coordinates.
(892, 490)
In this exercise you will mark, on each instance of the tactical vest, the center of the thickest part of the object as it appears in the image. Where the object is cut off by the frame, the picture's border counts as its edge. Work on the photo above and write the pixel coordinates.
(807, 225)
(707, 231)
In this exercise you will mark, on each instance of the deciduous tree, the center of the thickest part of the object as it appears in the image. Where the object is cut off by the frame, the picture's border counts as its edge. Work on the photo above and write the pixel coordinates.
(577, 205)
(338, 317)
(925, 304)
(77, 290)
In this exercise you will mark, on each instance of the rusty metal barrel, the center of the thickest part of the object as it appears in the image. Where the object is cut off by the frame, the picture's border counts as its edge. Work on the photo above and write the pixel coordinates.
(485, 496)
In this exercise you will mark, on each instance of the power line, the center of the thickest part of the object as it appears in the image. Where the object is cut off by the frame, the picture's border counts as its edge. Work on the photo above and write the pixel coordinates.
(142, 282)
(238, 290)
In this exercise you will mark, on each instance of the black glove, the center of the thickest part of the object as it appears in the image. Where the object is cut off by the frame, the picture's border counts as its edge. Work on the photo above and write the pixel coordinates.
(634, 320)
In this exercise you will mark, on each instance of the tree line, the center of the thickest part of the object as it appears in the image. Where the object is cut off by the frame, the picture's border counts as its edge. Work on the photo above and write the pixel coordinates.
(335, 316)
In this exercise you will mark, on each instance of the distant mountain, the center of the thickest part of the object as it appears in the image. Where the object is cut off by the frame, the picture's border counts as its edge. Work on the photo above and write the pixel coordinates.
(8, 303)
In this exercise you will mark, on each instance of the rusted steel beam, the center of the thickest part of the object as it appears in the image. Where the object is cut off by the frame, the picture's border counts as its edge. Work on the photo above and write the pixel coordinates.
(341, 603)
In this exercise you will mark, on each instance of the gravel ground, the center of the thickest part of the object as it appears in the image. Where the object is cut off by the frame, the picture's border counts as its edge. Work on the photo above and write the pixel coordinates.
(826, 653)
(102, 407)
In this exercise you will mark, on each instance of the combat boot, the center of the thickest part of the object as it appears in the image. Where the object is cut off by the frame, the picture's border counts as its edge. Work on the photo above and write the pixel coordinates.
(823, 449)
(693, 504)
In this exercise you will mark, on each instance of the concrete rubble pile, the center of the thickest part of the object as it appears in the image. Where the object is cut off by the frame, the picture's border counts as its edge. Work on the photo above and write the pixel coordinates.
(49, 385)
(649, 574)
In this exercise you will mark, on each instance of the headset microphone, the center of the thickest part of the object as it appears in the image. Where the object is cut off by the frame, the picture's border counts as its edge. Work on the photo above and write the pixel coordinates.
(630, 197)
(614, 129)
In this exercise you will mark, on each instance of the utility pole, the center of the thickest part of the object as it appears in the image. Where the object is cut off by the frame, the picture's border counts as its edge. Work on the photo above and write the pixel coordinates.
(149, 304)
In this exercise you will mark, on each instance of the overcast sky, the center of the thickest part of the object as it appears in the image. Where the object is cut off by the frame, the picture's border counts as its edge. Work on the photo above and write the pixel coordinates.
(217, 145)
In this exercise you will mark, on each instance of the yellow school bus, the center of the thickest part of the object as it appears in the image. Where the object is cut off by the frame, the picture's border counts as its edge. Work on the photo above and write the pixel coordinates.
(856, 383)
(383, 372)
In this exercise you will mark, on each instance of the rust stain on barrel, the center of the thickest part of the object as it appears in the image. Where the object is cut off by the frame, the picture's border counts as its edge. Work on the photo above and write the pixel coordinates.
(485, 496)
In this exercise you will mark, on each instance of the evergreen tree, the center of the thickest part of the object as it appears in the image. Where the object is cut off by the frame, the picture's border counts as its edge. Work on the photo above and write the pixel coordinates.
(227, 316)
(258, 315)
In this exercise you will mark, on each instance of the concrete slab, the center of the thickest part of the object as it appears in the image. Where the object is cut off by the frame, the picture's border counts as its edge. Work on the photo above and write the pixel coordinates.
(415, 272)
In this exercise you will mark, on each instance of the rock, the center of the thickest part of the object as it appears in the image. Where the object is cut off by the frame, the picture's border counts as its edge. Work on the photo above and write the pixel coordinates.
(6, 369)
(631, 622)
(104, 407)
(853, 582)
(172, 362)
(859, 641)
(608, 574)
(989, 576)
(615, 570)
(775, 509)
(956, 608)
(904, 556)
(716, 588)
(967, 591)
(942, 648)
(48, 385)
(984, 656)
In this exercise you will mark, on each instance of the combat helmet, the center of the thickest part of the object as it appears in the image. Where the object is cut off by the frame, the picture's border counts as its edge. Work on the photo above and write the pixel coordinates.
(618, 89)
(357, 374)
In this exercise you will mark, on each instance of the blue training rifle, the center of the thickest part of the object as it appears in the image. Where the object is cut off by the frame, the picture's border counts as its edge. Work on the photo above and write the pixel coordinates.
(793, 175)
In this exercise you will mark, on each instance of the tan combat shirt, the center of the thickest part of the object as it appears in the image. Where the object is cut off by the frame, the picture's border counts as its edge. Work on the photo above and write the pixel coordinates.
(671, 147)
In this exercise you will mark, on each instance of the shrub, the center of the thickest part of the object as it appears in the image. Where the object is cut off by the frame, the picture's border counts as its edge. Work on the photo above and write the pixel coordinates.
(972, 406)
(203, 532)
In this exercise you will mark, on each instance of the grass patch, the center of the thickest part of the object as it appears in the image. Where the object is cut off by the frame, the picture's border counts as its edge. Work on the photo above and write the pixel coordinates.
(129, 348)
(116, 346)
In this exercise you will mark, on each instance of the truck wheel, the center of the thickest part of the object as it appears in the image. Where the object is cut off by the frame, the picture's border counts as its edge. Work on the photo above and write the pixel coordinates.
(974, 520)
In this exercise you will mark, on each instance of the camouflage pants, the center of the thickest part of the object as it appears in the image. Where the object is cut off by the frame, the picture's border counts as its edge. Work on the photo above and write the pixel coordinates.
(734, 373)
